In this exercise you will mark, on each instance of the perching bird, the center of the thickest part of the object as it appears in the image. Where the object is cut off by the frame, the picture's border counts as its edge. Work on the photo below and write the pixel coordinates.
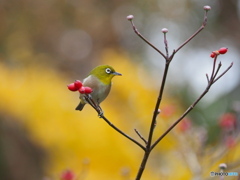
(99, 79)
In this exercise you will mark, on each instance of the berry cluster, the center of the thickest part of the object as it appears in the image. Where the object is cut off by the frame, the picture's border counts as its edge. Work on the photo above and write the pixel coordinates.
(78, 86)
(222, 50)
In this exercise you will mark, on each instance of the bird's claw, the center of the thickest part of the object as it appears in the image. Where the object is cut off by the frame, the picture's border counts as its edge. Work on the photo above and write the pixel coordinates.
(100, 114)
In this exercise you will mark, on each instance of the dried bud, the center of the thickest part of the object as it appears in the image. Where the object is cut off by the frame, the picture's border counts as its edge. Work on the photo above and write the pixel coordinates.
(222, 166)
(130, 17)
(72, 87)
(164, 30)
(207, 8)
(222, 50)
(78, 84)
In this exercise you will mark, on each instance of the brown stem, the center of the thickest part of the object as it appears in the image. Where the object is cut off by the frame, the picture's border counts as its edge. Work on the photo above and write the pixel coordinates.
(121, 132)
(166, 44)
(138, 133)
(224, 72)
(91, 102)
(196, 33)
(144, 39)
(143, 164)
(210, 83)
(183, 115)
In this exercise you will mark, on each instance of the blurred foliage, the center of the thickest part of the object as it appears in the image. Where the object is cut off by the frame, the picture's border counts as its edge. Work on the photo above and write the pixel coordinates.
(38, 97)
(45, 45)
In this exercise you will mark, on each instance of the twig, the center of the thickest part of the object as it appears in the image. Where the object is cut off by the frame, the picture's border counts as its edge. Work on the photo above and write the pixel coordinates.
(210, 83)
(166, 43)
(223, 73)
(207, 78)
(196, 33)
(100, 114)
(144, 39)
(145, 141)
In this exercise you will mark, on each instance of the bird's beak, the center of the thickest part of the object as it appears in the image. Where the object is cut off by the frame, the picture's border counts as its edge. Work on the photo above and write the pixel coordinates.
(117, 74)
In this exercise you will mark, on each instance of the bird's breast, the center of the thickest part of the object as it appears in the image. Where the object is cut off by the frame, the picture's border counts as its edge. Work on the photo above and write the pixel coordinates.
(100, 90)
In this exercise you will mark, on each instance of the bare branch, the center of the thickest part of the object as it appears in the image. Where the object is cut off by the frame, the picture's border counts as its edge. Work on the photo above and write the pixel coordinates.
(145, 141)
(196, 33)
(100, 114)
(144, 39)
(207, 78)
(210, 83)
(223, 73)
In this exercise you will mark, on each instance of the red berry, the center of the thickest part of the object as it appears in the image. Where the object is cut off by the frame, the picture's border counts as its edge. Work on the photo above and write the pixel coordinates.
(67, 175)
(88, 90)
(72, 87)
(213, 55)
(228, 121)
(82, 90)
(78, 84)
(223, 50)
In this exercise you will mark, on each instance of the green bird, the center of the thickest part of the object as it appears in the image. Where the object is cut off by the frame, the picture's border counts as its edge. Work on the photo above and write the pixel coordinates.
(100, 80)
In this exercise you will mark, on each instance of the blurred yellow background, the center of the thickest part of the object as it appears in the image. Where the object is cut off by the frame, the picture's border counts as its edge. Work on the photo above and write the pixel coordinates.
(46, 45)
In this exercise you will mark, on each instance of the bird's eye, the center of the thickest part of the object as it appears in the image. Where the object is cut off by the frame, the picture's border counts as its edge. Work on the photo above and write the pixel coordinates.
(108, 70)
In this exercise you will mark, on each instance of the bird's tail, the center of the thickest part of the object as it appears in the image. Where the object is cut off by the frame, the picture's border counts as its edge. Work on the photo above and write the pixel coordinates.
(80, 106)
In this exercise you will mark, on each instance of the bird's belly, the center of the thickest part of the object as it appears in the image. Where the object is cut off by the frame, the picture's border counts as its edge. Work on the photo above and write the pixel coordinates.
(100, 93)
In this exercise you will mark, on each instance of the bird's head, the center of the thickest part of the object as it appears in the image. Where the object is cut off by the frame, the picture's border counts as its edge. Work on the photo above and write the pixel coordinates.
(104, 73)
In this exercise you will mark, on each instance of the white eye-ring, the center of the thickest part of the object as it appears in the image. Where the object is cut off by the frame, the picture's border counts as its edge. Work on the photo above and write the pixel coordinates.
(108, 70)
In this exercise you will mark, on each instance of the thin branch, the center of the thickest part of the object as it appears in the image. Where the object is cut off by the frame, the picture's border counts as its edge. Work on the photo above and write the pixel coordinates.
(213, 69)
(138, 133)
(183, 115)
(223, 73)
(100, 114)
(159, 99)
(196, 33)
(166, 44)
(144, 39)
(219, 66)
(207, 78)
(210, 83)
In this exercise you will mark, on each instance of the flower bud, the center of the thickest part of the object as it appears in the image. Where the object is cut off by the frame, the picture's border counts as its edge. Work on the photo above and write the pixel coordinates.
(222, 50)
(72, 87)
(164, 30)
(78, 84)
(207, 8)
(130, 17)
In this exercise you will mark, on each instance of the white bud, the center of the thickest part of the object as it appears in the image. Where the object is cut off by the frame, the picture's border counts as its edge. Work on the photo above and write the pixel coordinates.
(164, 30)
(207, 8)
(130, 17)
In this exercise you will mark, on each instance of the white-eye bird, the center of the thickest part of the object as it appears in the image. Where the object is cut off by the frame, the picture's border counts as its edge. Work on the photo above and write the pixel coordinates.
(100, 80)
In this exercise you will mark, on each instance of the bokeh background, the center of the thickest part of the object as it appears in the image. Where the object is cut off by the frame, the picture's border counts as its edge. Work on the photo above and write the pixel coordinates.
(45, 45)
